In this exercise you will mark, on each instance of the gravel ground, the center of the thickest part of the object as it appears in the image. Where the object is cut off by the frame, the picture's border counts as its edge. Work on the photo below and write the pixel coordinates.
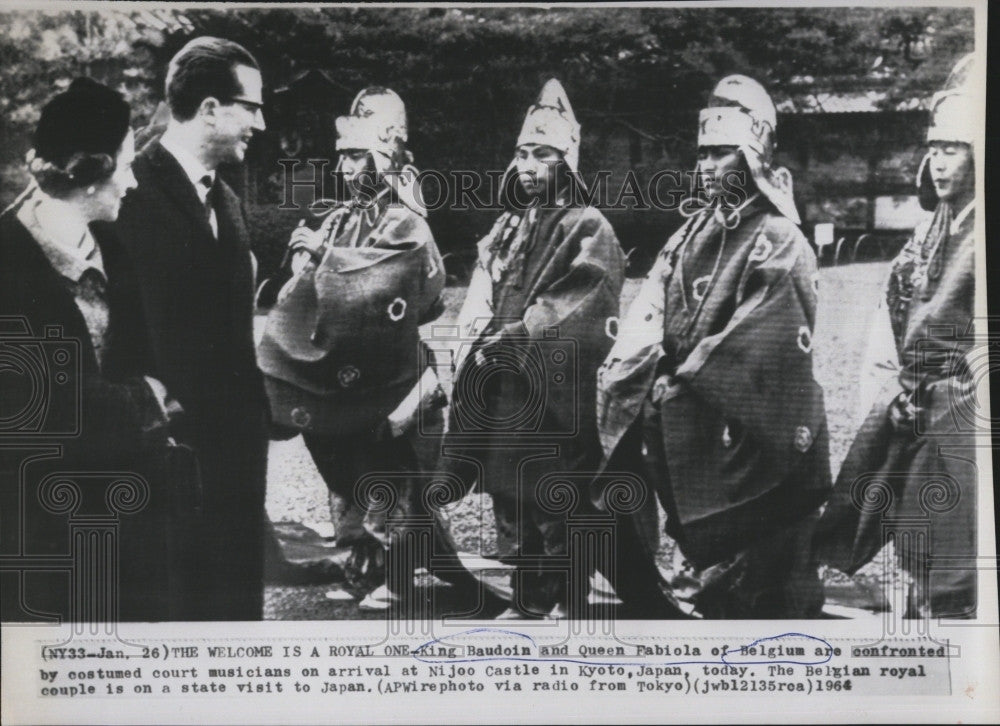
(848, 296)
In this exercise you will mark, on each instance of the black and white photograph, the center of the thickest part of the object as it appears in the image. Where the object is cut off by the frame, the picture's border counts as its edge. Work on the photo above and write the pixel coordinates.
(353, 355)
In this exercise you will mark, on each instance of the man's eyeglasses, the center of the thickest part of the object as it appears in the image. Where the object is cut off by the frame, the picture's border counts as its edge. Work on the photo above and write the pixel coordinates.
(249, 105)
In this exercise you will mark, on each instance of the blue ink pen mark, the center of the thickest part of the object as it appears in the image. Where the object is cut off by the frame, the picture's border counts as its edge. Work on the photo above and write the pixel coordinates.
(736, 653)
(724, 659)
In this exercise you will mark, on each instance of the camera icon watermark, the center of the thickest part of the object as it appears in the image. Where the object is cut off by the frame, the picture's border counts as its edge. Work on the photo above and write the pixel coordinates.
(39, 380)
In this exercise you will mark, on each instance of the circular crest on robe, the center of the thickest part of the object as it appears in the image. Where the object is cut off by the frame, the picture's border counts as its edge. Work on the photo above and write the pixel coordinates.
(803, 439)
(344, 342)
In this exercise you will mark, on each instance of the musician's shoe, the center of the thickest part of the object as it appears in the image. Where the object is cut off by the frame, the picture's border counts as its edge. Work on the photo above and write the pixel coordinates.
(381, 598)
(558, 612)
(516, 614)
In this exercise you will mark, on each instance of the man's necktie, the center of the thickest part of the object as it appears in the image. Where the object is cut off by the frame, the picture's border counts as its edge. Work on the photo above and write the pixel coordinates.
(206, 183)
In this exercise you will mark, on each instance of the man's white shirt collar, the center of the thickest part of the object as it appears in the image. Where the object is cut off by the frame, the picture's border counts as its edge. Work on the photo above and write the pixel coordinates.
(961, 216)
(193, 168)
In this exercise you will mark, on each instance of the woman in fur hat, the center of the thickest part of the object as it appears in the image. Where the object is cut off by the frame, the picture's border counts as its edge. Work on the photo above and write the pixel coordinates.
(76, 375)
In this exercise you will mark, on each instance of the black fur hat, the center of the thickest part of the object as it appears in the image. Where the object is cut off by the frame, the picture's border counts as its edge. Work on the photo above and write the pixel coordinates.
(79, 133)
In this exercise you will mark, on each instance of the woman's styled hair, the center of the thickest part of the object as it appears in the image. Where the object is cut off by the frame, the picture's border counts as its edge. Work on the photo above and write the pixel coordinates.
(78, 137)
(205, 67)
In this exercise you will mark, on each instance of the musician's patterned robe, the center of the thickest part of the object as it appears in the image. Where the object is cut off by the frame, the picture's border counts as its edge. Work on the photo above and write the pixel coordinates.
(344, 461)
(545, 290)
(712, 372)
(927, 460)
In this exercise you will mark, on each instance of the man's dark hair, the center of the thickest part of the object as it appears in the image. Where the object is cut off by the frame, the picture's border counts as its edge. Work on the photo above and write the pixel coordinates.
(205, 67)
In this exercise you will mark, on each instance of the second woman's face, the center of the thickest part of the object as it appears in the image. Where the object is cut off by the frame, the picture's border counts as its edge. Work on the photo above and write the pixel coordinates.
(951, 169)
(106, 201)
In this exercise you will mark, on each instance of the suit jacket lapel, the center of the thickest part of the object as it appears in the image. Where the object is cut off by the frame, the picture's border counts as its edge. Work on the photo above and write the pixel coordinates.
(175, 184)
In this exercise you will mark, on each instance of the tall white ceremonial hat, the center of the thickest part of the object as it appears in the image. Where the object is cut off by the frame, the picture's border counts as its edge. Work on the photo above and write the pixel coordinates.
(377, 123)
(740, 113)
(551, 122)
(951, 115)
(952, 121)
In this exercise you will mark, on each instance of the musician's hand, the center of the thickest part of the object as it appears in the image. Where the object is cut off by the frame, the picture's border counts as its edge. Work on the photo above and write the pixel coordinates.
(664, 388)
(903, 412)
(303, 235)
(308, 240)
(484, 352)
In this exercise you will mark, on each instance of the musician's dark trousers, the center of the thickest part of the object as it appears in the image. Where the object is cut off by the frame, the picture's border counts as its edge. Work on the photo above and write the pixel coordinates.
(774, 577)
(524, 530)
(344, 461)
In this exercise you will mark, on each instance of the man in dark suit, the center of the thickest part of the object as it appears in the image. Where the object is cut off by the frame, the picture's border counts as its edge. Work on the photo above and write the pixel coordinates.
(185, 230)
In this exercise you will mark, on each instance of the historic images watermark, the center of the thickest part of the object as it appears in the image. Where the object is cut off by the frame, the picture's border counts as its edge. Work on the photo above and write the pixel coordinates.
(495, 189)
